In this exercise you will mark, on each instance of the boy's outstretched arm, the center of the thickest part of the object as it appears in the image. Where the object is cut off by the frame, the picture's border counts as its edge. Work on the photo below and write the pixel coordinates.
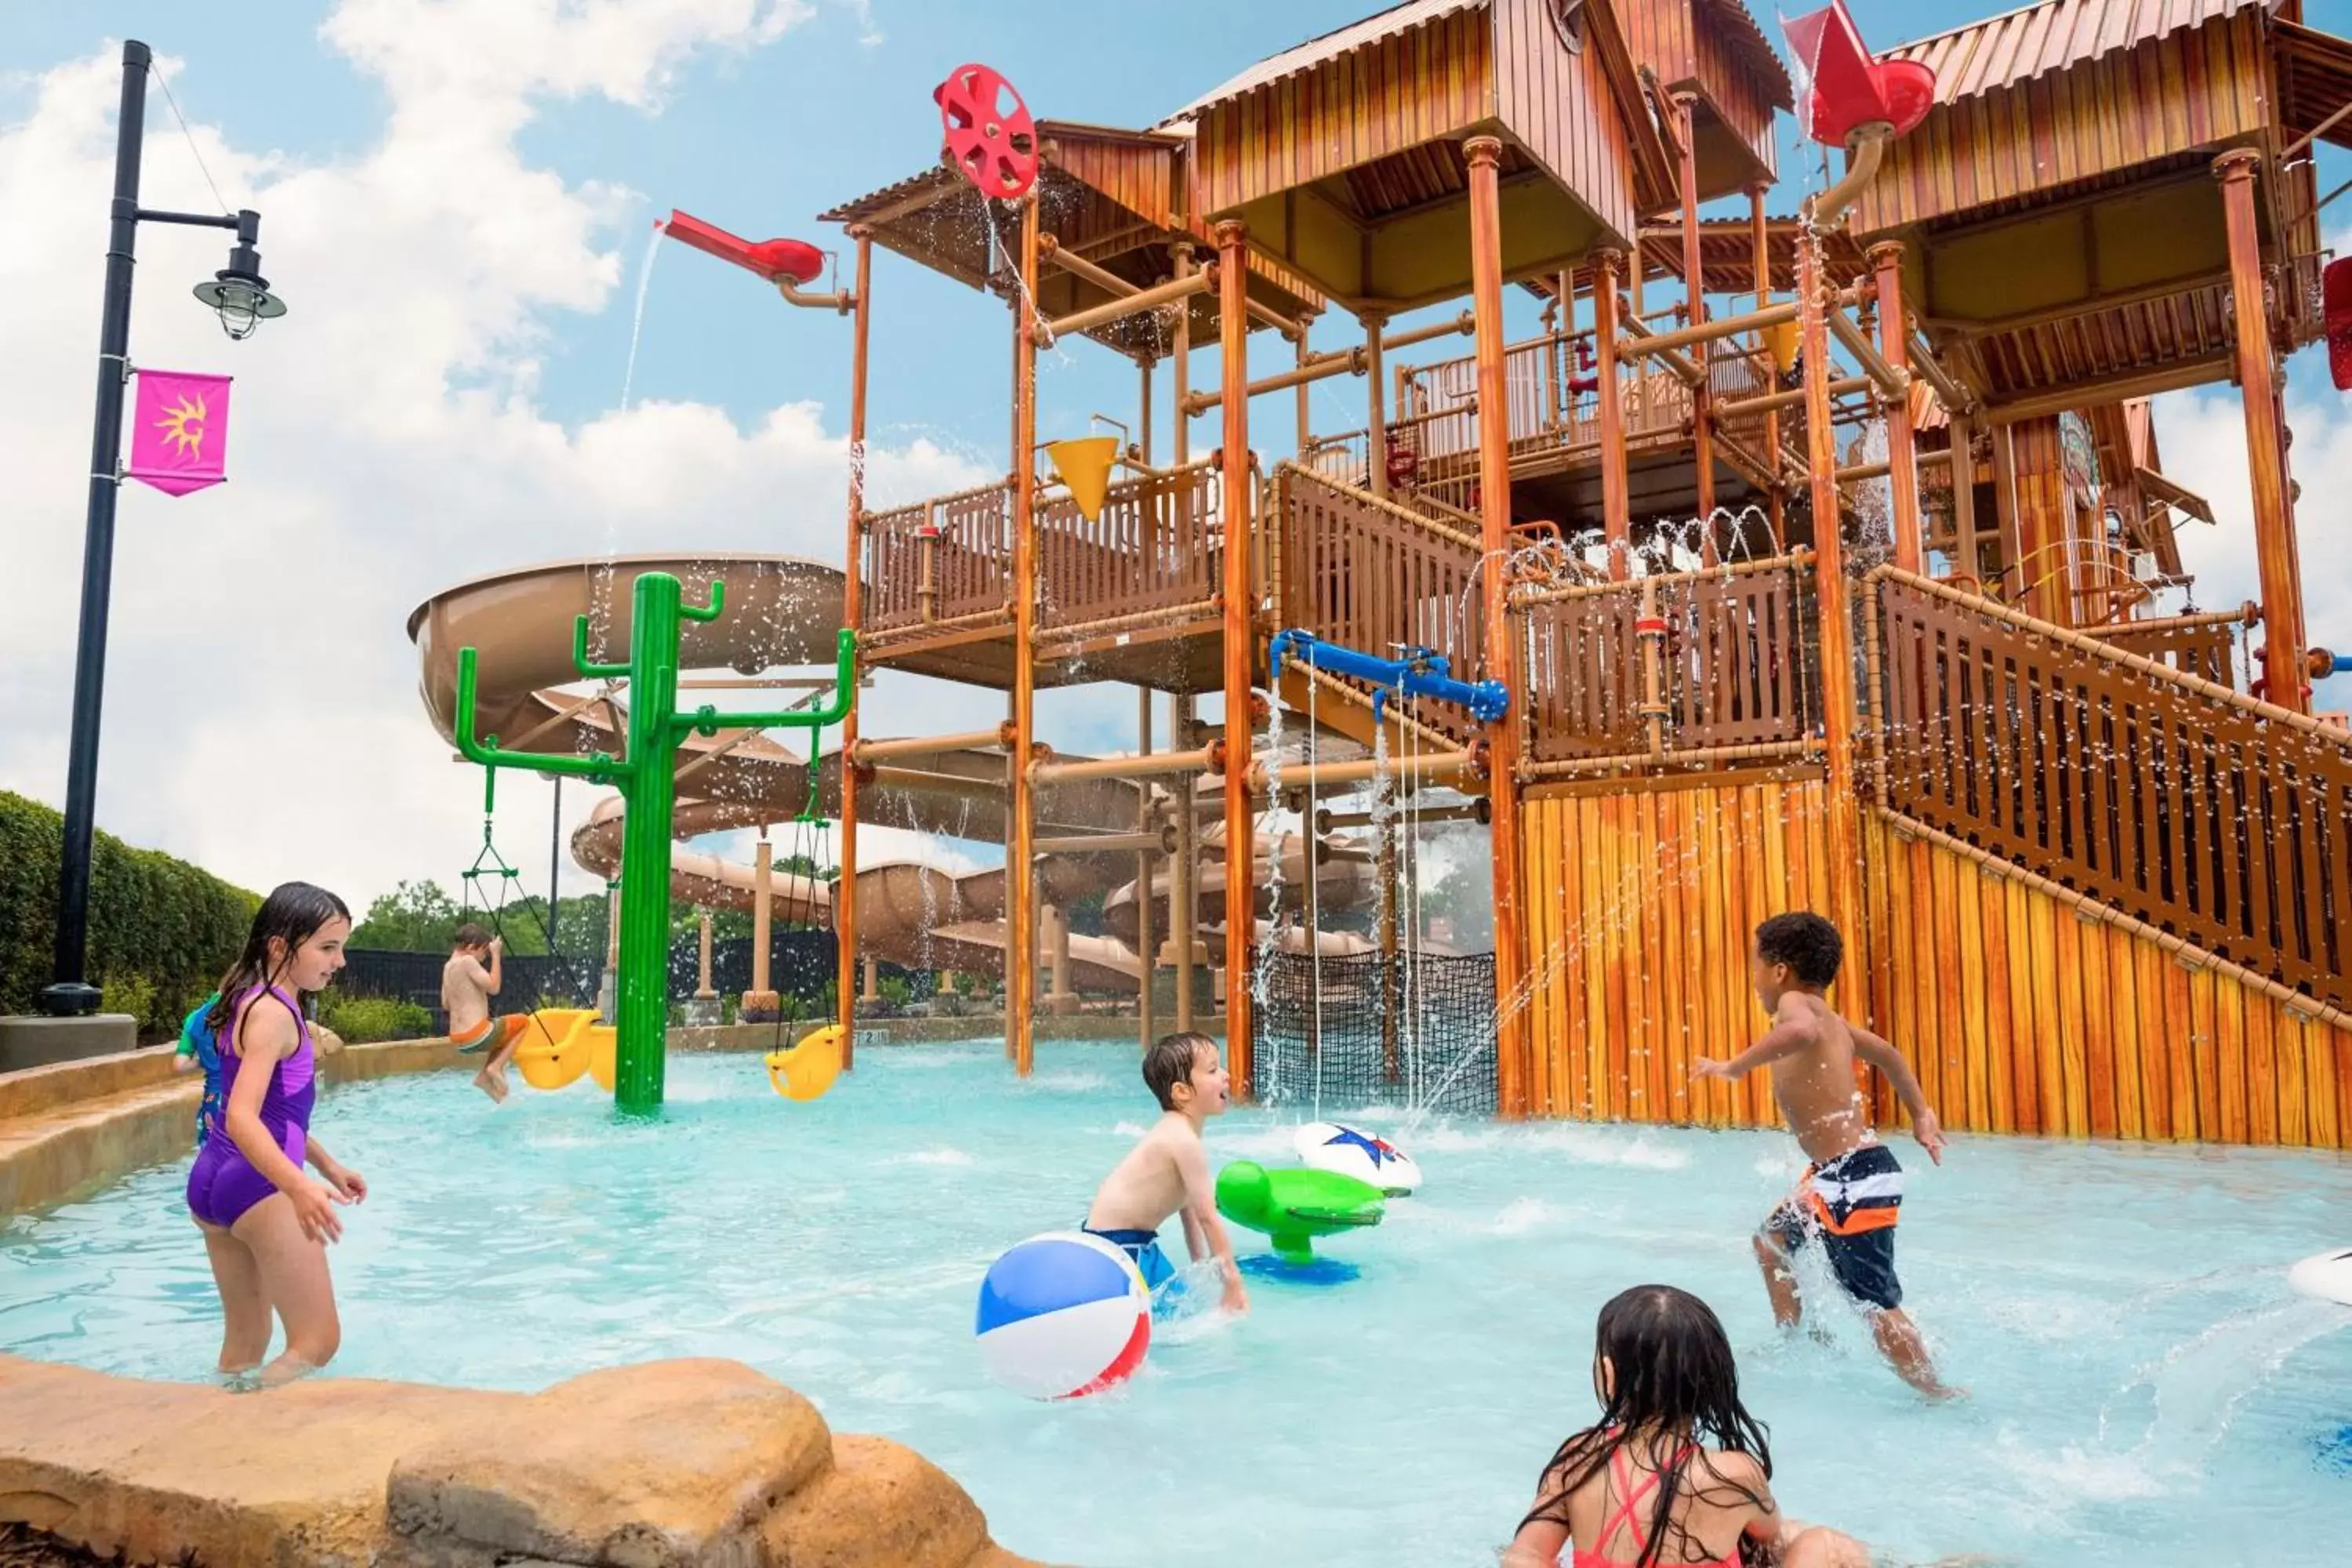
(1201, 1208)
(1879, 1053)
(496, 977)
(1786, 1039)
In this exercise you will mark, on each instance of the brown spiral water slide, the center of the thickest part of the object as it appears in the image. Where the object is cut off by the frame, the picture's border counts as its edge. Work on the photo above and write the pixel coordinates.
(783, 611)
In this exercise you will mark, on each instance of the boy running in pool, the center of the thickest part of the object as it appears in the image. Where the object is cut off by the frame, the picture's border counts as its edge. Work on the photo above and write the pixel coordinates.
(1853, 1190)
(1168, 1171)
(467, 983)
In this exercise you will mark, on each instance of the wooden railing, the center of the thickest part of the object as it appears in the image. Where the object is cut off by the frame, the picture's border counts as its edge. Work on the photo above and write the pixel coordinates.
(947, 560)
(2221, 820)
(947, 564)
(1372, 575)
(1155, 547)
(1737, 675)
(2204, 646)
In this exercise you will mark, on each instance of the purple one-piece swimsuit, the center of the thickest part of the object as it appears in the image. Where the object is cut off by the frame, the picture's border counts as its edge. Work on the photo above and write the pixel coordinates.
(224, 1185)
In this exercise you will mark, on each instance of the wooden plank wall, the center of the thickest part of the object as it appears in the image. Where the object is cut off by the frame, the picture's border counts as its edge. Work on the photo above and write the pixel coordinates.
(2192, 88)
(1739, 91)
(2020, 1016)
(1560, 108)
(1140, 176)
(1415, 88)
(1658, 33)
(1641, 904)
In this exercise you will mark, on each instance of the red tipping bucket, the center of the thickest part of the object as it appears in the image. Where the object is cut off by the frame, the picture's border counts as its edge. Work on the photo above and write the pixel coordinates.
(1850, 90)
(787, 259)
(2335, 294)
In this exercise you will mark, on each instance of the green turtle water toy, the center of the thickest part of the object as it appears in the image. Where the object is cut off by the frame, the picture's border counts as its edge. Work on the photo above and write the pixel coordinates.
(1294, 1207)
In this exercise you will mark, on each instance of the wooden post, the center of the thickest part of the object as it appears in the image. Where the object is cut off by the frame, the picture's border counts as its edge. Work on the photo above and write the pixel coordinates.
(1305, 390)
(1183, 901)
(703, 990)
(1233, 328)
(1019, 933)
(1616, 487)
(2285, 681)
(871, 990)
(1181, 437)
(1143, 813)
(1963, 470)
(1894, 348)
(2006, 527)
(763, 897)
(1514, 1062)
(1836, 623)
(1762, 226)
(1694, 308)
(1143, 407)
(1376, 436)
(1060, 998)
(1391, 1061)
(853, 613)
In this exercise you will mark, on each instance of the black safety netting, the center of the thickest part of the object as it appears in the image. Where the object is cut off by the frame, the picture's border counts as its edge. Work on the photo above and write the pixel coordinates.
(1415, 1031)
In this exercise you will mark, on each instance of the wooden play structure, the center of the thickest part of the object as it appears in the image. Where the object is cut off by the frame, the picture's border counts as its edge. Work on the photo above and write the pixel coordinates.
(1825, 554)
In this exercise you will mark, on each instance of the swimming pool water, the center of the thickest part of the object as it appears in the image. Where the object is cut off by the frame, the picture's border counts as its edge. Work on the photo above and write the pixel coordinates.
(2145, 1391)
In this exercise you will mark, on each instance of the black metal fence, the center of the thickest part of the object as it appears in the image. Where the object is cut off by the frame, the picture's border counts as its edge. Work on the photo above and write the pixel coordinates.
(799, 963)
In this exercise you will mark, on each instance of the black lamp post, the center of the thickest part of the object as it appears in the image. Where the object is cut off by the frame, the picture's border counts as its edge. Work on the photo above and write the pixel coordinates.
(242, 297)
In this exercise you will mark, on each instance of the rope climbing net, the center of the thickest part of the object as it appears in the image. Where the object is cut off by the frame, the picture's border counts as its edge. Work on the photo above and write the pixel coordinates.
(1335, 1045)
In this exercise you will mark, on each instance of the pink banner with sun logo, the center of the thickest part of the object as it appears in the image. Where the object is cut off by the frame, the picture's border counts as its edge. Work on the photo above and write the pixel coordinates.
(179, 431)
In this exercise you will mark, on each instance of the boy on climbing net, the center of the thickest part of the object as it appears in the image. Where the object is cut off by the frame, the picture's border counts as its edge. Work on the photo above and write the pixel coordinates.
(468, 981)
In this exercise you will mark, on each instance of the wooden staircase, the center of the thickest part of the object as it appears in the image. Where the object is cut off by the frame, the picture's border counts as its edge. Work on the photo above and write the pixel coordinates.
(1375, 575)
(2213, 824)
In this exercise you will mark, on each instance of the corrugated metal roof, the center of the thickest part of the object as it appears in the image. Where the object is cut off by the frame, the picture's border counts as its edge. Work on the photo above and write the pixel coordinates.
(1329, 47)
(1750, 40)
(2054, 35)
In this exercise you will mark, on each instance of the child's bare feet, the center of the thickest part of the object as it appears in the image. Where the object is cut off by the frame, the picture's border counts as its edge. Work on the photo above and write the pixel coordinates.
(491, 1085)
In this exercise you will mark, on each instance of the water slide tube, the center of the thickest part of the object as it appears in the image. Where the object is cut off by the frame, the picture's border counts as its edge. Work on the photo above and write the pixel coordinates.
(785, 611)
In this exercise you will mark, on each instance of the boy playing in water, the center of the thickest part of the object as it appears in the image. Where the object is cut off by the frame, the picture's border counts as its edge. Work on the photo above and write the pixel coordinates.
(1168, 1171)
(1853, 1190)
(466, 986)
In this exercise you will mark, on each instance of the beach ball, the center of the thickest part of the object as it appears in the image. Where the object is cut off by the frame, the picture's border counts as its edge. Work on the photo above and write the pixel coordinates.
(807, 1069)
(1329, 1146)
(2325, 1277)
(1061, 1315)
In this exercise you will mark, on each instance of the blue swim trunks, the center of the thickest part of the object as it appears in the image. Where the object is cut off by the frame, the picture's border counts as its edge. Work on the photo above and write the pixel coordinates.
(1143, 1246)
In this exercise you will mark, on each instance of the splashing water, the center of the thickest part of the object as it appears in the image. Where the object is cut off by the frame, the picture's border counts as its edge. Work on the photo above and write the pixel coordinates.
(638, 323)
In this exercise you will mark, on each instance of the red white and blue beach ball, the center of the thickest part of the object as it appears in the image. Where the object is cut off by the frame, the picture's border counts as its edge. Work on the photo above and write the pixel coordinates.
(1061, 1315)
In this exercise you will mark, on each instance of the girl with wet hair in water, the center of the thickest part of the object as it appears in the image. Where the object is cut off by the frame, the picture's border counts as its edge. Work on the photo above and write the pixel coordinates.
(1675, 1474)
(266, 1222)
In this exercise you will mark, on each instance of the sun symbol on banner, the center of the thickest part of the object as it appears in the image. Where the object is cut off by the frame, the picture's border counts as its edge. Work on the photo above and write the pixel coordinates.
(184, 426)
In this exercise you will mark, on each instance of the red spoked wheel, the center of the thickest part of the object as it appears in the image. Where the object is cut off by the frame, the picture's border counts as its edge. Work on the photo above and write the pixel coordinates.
(987, 132)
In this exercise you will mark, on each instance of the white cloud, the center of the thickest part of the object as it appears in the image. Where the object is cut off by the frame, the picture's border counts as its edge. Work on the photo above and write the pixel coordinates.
(261, 715)
(2203, 436)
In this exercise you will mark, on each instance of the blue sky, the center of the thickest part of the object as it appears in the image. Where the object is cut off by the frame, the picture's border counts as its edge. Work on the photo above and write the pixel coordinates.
(457, 197)
(761, 141)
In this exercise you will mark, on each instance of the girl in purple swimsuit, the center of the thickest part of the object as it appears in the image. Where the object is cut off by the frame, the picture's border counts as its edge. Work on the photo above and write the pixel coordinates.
(267, 1224)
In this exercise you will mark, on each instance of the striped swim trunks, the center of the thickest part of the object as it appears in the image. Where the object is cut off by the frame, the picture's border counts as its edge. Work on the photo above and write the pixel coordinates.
(1851, 1204)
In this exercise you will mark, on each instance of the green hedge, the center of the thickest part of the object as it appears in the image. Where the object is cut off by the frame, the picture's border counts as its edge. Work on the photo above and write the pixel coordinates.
(357, 1020)
(161, 931)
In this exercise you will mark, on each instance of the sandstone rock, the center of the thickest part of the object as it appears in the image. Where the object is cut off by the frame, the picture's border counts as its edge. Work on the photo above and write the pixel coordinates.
(164, 1472)
(671, 1465)
(880, 1505)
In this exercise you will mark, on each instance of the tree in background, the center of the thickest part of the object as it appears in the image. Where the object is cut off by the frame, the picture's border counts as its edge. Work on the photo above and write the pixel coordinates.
(422, 917)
